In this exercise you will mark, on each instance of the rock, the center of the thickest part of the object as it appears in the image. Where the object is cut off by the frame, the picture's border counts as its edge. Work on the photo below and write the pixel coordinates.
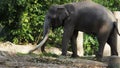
(2, 59)
(114, 62)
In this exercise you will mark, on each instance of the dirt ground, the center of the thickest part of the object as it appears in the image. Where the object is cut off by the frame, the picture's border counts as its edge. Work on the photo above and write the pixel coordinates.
(15, 56)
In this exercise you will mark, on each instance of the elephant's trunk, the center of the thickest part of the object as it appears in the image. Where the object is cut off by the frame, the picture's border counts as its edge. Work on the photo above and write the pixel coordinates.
(45, 35)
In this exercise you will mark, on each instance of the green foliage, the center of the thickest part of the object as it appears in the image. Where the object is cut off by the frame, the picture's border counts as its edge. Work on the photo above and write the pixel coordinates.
(22, 21)
(111, 4)
(48, 55)
(90, 44)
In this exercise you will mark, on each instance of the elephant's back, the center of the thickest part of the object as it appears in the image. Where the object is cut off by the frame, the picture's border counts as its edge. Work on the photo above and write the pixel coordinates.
(92, 8)
(89, 14)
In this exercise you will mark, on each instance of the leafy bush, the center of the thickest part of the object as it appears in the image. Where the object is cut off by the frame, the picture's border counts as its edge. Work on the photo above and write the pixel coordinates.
(22, 20)
(90, 44)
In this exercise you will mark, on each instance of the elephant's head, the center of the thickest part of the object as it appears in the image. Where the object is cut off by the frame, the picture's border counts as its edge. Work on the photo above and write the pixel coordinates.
(54, 18)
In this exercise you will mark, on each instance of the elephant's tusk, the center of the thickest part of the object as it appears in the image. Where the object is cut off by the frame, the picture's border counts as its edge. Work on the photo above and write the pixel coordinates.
(40, 44)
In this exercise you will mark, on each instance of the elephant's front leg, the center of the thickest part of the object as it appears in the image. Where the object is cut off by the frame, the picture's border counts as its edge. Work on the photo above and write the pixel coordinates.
(68, 31)
(43, 48)
(74, 44)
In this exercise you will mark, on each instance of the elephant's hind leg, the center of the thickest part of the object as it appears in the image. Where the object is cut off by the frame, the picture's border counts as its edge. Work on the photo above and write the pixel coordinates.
(112, 41)
(102, 39)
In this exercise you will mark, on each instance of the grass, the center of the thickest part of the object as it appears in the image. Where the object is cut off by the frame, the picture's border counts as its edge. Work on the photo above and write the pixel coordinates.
(48, 55)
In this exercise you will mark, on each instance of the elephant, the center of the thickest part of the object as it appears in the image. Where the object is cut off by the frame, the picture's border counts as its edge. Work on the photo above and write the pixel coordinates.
(85, 16)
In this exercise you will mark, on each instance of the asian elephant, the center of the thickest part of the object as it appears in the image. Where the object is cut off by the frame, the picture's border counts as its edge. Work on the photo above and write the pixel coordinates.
(85, 16)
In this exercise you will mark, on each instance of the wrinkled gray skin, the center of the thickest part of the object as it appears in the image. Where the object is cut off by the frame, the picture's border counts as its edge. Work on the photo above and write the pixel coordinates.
(85, 16)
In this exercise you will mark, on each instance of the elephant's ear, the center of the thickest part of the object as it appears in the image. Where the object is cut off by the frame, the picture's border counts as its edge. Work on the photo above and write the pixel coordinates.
(70, 8)
(62, 12)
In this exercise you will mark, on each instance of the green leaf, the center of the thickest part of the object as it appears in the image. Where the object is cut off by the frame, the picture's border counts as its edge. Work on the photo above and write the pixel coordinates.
(31, 37)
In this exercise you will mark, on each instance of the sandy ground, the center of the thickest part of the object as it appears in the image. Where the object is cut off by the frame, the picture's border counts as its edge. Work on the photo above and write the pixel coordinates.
(15, 56)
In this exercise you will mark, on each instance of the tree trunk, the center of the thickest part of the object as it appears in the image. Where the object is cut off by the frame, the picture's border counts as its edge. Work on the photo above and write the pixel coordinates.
(80, 49)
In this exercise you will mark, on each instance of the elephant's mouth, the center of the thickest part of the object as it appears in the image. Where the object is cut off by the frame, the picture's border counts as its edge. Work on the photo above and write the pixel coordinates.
(55, 23)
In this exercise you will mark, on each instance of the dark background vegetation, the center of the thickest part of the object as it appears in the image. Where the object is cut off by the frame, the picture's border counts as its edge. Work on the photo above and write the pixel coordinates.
(21, 22)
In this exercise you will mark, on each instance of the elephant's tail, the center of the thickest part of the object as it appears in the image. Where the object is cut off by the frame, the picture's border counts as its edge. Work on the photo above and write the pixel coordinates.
(116, 27)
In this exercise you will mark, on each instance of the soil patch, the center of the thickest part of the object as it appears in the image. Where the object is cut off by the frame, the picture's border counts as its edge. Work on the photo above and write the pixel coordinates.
(12, 56)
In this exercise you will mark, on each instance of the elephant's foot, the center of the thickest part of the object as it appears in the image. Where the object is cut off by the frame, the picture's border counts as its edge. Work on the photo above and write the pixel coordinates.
(64, 54)
(114, 53)
(43, 50)
(98, 57)
(75, 56)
